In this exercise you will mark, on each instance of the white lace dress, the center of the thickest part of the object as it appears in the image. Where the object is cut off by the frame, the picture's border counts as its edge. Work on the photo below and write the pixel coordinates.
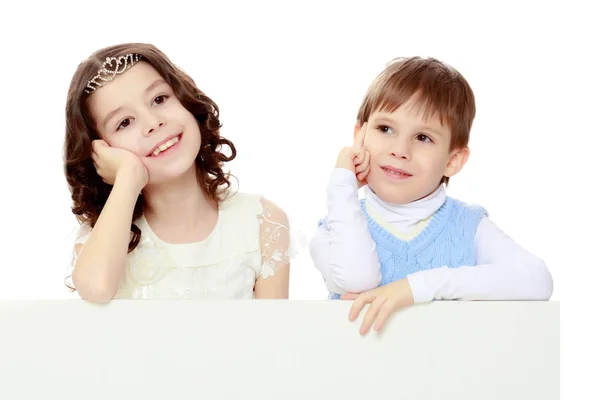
(248, 242)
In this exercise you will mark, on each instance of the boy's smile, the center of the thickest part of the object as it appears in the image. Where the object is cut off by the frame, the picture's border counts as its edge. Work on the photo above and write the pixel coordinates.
(395, 173)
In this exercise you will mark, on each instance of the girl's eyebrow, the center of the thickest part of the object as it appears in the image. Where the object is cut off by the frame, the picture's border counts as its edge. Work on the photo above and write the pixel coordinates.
(154, 85)
(110, 115)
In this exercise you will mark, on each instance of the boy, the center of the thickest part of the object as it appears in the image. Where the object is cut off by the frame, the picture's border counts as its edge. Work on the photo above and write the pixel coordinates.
(407, 242)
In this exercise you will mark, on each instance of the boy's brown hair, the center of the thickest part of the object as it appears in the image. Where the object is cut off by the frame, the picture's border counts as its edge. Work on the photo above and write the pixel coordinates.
(442, 91)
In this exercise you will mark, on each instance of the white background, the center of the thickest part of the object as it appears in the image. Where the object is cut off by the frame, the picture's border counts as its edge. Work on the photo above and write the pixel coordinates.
(289, 78)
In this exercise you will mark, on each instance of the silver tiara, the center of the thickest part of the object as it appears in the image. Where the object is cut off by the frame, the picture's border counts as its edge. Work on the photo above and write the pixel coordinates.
(112, 67)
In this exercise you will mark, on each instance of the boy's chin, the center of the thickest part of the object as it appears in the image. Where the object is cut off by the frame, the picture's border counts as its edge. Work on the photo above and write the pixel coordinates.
(391, 194)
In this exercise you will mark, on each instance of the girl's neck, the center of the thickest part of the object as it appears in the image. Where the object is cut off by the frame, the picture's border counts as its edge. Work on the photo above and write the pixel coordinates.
(179, 211)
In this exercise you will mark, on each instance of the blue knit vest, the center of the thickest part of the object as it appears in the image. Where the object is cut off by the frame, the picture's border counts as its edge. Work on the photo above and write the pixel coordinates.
(448, 240)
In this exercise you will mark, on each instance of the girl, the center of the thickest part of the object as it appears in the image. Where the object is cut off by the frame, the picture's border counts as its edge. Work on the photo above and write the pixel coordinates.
(144, 164)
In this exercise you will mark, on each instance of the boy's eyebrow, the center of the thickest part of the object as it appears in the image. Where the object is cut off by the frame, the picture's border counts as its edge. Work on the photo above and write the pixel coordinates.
(385, 120)
(115, 111)
(431, 130)
(382, 119)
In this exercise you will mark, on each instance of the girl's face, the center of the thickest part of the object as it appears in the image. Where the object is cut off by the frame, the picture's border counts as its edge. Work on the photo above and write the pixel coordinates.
(139, 112)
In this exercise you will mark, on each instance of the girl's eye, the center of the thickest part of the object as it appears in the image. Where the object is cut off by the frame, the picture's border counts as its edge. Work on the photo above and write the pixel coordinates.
(160, 99)
(424, 138)
(124, 124)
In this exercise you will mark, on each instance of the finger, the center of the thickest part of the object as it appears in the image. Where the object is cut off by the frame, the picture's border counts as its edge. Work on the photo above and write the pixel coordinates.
(360, 170)
(349, 296)
(97, 144)
(359, 303)
(371, 314)
(382, 316)
(96, 162)
(359, 140)
(363, 175)
(363, 165)
(359, 157)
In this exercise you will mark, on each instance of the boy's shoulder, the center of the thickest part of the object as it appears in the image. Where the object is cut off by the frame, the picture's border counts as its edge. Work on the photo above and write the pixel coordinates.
(460, 208)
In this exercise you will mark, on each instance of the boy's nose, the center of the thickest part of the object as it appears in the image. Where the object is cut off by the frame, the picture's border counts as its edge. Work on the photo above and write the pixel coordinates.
(401, 152)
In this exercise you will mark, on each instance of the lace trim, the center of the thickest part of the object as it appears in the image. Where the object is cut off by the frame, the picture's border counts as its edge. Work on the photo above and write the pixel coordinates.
(277, 244)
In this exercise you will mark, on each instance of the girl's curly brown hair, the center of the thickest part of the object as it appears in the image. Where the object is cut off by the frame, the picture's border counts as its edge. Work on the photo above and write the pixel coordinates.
(88, 191)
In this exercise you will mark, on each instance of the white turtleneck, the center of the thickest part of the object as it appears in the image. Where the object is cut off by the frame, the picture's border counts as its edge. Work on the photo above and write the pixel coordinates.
(405, 220)
(345, 253)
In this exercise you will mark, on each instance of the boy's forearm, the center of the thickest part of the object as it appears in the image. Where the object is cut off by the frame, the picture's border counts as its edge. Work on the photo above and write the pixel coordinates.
(352, 260)
(504, 271)
(101, 262)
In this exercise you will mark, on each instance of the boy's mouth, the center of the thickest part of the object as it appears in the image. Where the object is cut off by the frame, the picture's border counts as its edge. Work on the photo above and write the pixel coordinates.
(395, 173)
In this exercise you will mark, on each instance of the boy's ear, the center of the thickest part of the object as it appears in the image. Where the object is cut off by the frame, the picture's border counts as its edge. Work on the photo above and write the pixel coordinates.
(456, 162)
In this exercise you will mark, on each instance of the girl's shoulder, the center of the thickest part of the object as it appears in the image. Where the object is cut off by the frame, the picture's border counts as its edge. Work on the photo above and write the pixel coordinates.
(252, 206)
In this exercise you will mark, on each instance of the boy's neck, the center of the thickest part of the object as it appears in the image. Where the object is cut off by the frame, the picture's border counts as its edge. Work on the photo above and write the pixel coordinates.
(407, 215)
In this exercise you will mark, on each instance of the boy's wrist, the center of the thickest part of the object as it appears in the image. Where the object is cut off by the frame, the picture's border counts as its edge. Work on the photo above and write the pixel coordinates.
(345, 160)
(346, 164)
(342, 176)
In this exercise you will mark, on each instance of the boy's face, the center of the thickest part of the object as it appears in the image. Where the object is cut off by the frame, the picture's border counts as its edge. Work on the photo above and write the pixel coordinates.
(409, 154)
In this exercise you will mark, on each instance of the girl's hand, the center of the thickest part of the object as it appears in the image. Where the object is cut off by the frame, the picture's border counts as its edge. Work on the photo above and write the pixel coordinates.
(384, 301)
(112, 161)
(356, 158)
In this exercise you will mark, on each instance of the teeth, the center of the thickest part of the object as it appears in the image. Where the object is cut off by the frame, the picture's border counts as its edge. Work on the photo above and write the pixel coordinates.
(165, 146)
(396, 172)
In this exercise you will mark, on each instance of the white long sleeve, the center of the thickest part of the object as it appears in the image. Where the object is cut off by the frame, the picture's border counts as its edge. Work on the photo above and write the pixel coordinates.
(504, 271)
(342, 248)
(345, 254)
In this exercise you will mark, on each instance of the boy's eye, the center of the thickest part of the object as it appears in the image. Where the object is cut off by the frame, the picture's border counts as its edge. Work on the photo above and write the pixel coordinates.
(423, 138)
(384, 129)
(124, 124)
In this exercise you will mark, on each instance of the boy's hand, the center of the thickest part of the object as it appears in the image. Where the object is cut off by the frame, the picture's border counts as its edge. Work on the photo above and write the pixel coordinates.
(356, 158)
(384, 301)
